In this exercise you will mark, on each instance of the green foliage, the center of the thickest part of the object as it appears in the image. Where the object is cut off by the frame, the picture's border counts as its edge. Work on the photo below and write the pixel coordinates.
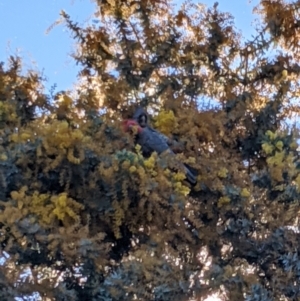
(89, 218)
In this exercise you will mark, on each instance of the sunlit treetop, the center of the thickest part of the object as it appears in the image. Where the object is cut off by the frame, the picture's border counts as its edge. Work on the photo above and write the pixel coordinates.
(90, 218)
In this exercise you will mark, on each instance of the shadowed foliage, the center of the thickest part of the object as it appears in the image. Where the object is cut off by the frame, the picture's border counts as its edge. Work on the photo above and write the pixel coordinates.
(84, 216)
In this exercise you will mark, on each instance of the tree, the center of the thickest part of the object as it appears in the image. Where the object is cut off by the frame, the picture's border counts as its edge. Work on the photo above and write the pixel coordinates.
(88, 218)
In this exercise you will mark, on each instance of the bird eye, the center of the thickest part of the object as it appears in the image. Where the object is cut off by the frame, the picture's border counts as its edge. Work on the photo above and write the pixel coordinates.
(143, 120)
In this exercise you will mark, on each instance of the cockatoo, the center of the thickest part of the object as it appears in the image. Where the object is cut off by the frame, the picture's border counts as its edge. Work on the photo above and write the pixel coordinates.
(151, 141)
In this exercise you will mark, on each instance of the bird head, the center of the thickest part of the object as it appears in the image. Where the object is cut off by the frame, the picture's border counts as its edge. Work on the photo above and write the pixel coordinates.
(130, 125)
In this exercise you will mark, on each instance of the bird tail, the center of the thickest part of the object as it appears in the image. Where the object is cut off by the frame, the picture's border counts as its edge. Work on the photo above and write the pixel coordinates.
(191, 169)
(191, 174)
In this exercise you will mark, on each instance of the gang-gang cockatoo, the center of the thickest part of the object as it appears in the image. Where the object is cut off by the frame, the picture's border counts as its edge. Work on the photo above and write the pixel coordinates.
(151, 141)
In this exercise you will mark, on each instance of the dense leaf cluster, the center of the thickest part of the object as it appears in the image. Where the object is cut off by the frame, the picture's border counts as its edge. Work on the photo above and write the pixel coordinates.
(84, 216)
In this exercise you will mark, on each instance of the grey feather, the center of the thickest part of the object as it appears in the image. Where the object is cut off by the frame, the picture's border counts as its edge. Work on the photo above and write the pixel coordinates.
(151, 141)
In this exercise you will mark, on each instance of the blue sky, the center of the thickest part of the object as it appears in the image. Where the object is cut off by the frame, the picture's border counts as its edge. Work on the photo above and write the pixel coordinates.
(24, 23)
